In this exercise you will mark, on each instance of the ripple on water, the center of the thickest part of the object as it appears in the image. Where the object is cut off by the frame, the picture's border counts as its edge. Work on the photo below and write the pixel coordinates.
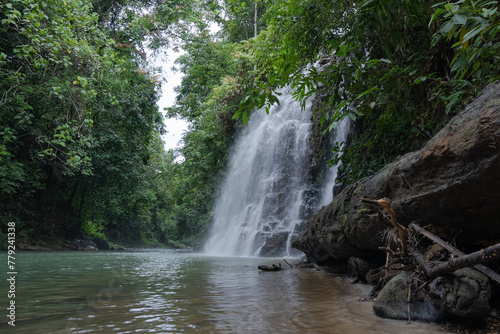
(168, 292)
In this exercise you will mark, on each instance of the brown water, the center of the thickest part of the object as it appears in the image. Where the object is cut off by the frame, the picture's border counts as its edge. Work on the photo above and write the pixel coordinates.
(178, 292)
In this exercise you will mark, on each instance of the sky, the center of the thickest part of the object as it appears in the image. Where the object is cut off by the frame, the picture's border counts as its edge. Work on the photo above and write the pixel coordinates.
(175, 127)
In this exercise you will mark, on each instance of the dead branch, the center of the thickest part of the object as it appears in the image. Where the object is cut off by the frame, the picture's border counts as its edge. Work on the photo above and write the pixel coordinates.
(485, 270)
(388, 254)
(386, 205)
(421, 261)
(481, 256)
(484, 255)
(287, 263)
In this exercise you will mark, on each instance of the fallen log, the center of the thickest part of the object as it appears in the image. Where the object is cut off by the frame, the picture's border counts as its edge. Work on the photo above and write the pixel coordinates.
(273, 267)
(484, 255)
(485, 270)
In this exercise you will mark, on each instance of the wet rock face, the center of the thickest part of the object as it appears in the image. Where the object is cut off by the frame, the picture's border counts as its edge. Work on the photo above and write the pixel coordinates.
(453, 183)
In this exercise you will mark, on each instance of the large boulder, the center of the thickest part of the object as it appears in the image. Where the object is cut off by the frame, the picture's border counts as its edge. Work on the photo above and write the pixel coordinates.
(452, 183)
(393, 302)
(464, 293)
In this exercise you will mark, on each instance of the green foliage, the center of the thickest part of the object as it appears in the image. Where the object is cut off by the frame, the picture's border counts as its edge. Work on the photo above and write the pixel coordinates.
(205, 63)
(93, 230)
(474, 26)
(80, 148)
(238, 22)
(387, 69)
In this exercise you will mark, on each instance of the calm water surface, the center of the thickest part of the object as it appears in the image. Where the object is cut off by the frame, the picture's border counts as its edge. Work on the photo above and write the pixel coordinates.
(177, 292)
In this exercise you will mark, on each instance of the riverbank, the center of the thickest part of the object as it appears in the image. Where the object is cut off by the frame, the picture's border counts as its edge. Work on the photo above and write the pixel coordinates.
(85, 245)
(488, 325)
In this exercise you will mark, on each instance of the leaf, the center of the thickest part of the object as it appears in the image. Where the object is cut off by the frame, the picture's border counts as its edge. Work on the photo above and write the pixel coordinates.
(387, 61)
(245, 118)
(451, 32)
(472, 33)
(237, 114)
(420, 79)
(463, 31)
(459, 61)
(358, 72)
(372, 105)
(435, 15)
(352, 116)
(446, 27)
(332, 126)
(366, 92)
(459, 19)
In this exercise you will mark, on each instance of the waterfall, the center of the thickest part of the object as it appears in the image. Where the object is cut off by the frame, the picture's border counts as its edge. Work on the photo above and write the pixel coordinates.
(339, 135)
(266, 196)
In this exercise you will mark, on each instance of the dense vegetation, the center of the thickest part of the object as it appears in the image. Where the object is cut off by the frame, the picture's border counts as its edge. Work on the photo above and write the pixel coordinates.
(80, 147)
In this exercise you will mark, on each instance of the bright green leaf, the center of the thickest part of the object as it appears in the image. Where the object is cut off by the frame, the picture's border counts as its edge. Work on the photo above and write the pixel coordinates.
(245, 118)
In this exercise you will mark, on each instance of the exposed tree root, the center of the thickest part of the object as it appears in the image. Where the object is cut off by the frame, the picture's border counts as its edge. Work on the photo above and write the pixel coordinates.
(426, 264)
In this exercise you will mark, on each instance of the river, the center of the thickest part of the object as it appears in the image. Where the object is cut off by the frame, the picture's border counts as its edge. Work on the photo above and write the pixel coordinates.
(164, 291)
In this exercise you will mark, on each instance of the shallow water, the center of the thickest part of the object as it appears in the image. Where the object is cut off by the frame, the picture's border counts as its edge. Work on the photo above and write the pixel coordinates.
(178, 292)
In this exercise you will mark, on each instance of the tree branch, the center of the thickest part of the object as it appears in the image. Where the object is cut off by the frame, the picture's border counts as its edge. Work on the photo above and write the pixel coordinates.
(386, 205)
(485, 270)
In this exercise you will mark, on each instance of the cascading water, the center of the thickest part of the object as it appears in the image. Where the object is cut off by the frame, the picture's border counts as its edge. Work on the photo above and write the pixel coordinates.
(266, 196)
(339, 135)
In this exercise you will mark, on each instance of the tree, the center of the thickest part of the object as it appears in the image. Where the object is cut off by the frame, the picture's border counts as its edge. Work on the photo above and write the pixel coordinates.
(80, 121)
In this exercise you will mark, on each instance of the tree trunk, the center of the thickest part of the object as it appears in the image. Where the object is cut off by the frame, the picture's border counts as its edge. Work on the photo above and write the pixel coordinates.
(255, 21)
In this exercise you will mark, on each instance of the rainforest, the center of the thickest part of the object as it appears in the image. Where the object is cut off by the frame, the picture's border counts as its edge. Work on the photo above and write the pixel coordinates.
(349, 137)
(81, 150)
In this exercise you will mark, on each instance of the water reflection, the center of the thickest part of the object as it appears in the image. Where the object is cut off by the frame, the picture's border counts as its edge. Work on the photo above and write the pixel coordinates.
(170, 292)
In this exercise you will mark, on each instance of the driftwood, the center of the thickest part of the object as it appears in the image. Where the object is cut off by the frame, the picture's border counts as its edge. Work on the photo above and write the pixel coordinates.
(287, 263)
(484, 255)
(386, 205)
(474, 259)
(273, 267)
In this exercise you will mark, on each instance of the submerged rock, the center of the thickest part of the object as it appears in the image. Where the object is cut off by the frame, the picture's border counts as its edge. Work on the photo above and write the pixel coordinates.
(452, 183)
